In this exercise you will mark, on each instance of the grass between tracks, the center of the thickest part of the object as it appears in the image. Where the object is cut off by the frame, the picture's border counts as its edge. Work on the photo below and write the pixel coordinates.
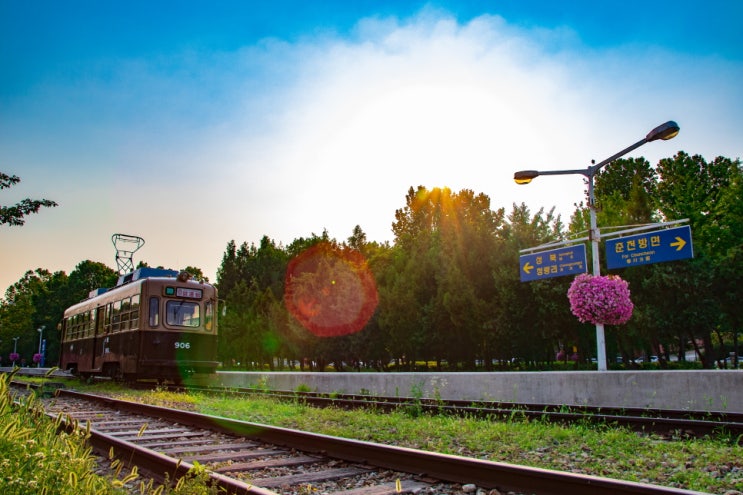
(32, 457)
(712, 465)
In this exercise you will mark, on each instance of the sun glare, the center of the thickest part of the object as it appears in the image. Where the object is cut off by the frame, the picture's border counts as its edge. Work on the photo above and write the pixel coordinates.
(330, 290)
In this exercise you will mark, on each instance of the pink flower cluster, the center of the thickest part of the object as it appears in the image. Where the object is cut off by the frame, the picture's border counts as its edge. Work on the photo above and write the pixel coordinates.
(600, 299)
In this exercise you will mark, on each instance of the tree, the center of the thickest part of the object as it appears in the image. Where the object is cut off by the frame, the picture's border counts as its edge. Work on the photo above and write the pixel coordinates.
(666, 310)
(14, 215)
(196, 273)
(728, 230)
(528, 319)
(357, 239)
(709, 195)
(87, 276)
(18, 312)
(436, 304)
(624, 193)
(227, 273)
(250, 280)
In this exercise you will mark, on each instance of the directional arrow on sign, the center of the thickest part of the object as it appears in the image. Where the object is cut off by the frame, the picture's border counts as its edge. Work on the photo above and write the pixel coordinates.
(528, 267)
(679, 244)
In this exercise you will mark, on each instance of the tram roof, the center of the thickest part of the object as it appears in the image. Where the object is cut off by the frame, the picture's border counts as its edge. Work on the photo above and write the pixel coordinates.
(145, 272)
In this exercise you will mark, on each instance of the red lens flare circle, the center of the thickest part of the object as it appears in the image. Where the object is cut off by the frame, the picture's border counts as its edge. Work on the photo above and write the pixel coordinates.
(330, 290)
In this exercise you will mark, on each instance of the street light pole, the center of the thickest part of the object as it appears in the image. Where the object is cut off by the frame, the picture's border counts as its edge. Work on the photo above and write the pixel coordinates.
(665, 131)
(15, 348)
(594, 236)
(41, 334)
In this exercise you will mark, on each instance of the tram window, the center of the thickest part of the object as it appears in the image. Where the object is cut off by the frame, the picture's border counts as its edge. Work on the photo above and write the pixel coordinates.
(182, 313)
(116, 319)
(91, 327)
(125, 304)
(208, 315)
(107, 318)
(154, 319)
(134, 314)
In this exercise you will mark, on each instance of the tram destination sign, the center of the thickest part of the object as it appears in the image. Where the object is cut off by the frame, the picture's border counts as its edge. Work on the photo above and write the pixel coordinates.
(570, 260)
(650, 247)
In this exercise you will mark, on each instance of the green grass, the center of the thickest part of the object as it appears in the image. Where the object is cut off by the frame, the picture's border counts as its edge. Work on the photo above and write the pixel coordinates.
(36, 458)
(713, 465)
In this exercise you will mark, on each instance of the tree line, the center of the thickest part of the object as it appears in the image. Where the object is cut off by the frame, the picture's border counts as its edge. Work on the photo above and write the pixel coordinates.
(446, 292)
(449, 291)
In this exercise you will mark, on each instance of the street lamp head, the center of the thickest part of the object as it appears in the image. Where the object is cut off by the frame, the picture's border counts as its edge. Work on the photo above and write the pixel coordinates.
(524, 176)
(666, 131)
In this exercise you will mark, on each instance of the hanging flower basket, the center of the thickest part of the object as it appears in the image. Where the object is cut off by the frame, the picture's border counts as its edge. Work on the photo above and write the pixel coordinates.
(37, 358)
(14, 356)
(600, 299)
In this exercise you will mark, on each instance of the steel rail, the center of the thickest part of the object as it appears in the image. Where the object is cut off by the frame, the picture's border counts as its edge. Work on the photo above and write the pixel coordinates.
(457, 469)
(435, 403)
(651, 420)
(648, 420)
(155, 463)
(480, 404)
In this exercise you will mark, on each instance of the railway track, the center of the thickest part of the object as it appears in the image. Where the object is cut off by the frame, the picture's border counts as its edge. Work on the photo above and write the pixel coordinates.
(660, 421)
(252, 458)
(665, 422)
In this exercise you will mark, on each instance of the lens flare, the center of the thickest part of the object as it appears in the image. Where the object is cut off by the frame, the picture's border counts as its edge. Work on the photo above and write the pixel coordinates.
(330, 290)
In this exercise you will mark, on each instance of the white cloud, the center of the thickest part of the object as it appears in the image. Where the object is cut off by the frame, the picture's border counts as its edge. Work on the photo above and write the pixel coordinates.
(435, 103)
(285, 140)
(428, 102)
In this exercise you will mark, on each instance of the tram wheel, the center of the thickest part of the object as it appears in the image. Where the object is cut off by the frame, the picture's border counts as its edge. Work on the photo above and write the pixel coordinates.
(113, 371)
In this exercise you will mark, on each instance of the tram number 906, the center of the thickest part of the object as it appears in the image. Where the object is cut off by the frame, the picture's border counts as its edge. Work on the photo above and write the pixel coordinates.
(182, 345)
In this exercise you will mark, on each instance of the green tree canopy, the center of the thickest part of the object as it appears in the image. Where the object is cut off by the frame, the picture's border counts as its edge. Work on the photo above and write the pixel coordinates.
(15, 215)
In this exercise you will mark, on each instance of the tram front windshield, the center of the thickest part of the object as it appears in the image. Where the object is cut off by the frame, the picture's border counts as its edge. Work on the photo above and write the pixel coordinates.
(182, 313)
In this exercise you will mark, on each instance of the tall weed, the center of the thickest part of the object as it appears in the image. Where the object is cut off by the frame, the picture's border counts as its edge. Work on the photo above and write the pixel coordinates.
(38, 456)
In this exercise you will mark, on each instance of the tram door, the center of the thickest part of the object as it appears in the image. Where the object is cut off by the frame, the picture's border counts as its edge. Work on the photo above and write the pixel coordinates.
(99, 343)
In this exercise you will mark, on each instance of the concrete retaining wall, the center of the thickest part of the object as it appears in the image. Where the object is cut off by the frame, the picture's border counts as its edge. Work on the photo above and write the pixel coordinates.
(708, 390)
(700, 390)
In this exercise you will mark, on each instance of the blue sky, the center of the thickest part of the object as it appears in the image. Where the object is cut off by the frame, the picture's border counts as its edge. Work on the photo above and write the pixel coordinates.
(194, 123)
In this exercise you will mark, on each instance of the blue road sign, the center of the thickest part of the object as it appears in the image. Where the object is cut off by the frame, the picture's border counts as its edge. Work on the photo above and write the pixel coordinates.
(570, 260)
(651, 247)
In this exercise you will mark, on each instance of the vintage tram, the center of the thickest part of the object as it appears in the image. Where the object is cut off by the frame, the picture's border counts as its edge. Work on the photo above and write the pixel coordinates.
(154, 324)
